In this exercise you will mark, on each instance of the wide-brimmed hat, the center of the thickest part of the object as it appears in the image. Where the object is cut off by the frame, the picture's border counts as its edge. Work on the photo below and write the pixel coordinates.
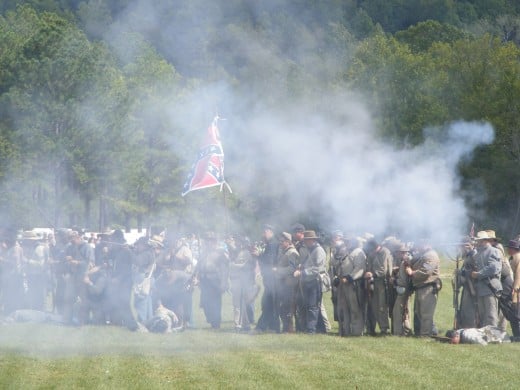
(492, 235)
(483, 235)
(310, 234)
(513, 244)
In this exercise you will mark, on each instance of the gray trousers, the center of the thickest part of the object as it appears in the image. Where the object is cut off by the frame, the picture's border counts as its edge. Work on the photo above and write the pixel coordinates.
(401, 315)
(424, 308)
(350, 311)
(488, 310)
(468, 310)
(379, 305)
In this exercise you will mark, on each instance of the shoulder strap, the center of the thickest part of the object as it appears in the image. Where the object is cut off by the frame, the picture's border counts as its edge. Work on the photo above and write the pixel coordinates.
(151, 271)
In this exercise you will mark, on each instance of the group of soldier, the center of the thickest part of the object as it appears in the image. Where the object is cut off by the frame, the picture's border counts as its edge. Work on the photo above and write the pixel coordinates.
(148, 285)
(373, 283)
(71, 279)
(489, 283)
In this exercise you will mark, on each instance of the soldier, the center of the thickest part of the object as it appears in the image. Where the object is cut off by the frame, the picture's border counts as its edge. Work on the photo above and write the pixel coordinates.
(309, 274)
(59, 268)
(97, 280)
(242, 278)
(213, 273)
(11, 271)
(286, 283)
(424, 272)
(36, 257)
(378, 272)
(299, 314)
(393, 244)
(164, 320)
(506, 276)
(488, 266)
(513, 249)
(79, 258)
(401, 308)
(468, 312)
(351, 301)
(119, 291)
(267, 258)
(142, 274)
(175, 279)
(338, 253)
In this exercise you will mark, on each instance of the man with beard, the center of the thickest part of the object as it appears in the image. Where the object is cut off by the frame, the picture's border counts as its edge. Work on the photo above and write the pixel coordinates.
(310, 281)
(285, 281)
(212, 273)
(269, 319)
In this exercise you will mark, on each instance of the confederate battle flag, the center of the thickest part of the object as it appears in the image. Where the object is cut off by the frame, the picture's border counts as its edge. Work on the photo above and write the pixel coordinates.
(208, 170)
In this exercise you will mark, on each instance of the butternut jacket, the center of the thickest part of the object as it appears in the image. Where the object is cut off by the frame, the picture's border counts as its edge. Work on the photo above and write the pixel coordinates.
(353, 267)
(287, 263)
(380, 263)
(426, 268)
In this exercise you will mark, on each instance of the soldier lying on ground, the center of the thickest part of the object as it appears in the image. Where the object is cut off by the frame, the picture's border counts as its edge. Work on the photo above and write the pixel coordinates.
(486, 335)
(163, 321)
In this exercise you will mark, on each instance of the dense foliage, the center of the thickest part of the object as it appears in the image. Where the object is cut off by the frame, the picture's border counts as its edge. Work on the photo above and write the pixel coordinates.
(102, 103)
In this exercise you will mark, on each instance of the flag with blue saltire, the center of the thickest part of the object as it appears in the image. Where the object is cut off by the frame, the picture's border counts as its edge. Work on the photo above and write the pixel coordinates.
(208, 170)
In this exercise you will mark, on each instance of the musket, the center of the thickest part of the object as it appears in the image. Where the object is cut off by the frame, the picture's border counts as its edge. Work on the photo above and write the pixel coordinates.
(456, 290)
(299, 315)
(333, 289)
(390, 294)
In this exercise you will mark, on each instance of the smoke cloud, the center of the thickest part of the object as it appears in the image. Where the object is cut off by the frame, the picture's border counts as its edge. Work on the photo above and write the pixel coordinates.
(321, 149)
(356, 182)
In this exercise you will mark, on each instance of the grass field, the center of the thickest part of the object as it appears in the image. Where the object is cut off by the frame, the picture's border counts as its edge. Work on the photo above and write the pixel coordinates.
(46, 356)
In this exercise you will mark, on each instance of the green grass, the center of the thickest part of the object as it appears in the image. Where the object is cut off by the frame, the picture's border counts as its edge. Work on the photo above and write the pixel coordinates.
(37, 356)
